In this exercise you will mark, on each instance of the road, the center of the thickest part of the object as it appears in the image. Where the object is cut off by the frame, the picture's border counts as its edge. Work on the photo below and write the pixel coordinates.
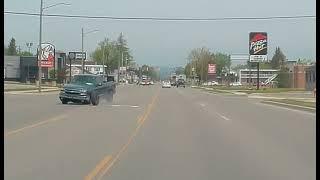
(155, 133)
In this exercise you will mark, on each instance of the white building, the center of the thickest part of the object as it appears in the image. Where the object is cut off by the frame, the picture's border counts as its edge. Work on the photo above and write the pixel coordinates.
(93, 69)
(265, 75)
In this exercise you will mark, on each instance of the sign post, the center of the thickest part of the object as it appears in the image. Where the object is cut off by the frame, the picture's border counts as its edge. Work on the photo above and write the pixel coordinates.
(258, 49)
(46, 55)
(211, 70)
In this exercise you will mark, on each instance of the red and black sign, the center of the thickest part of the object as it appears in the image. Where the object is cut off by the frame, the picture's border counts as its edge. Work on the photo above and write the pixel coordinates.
(258, 43)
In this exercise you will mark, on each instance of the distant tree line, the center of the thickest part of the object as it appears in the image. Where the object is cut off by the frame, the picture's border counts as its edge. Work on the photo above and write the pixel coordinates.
(13, 50)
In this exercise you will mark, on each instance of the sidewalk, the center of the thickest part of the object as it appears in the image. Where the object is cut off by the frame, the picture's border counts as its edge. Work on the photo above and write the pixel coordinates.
(300, 96)
(25, 87)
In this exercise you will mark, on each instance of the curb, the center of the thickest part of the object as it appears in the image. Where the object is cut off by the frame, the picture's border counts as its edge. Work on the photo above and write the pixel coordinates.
(28, 89)
(33, 91)
(290, 105)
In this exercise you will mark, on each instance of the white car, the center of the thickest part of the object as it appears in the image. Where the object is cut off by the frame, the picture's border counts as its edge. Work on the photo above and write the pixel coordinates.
(166, 85)
(151, 83)
(236, 84)
(214, 83)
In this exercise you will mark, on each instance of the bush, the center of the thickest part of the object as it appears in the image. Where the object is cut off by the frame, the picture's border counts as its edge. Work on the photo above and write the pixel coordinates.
(283, 78)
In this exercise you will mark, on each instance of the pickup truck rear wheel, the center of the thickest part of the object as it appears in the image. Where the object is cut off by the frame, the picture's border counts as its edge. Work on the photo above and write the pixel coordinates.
(94, 99)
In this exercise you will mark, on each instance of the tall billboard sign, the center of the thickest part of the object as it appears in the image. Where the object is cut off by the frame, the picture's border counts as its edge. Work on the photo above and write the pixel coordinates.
(211, 69)
(78, 55)
(47, 55)
(258, 46)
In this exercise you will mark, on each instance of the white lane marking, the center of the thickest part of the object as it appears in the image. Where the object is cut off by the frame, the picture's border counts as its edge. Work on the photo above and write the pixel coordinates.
(223, 117)
(288, 109)
(203, 105)
(291, 105)
(119, 105)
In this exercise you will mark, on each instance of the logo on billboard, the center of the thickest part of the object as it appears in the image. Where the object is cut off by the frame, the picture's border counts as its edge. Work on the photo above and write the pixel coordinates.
(258, 43)
(258, 46)
(211, 68)
(77, 55)
(47, 55)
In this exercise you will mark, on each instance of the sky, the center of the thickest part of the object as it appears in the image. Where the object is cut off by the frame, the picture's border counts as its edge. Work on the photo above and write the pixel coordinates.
(164, 43)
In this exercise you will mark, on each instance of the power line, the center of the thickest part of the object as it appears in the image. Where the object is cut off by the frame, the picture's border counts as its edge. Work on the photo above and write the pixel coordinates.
(159, 18)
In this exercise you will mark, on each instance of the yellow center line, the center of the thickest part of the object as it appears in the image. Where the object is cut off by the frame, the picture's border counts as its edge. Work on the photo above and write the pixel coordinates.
(98, 168)
(141, 120)
(57, 118)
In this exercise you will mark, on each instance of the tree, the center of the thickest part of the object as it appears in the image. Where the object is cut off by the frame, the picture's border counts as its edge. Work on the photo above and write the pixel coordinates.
(110, 52)
(304, 61)
(12, 48)
(283, 78)
(223, 63)
(25, 53)
(278, 59)
(200, 58)
(179, 70)
(123, 48)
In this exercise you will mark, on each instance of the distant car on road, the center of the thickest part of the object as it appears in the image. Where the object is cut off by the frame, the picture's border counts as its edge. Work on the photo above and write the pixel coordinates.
(181, 83)
(166, 84)
(236, 84)
(87, 88)
(214, 83)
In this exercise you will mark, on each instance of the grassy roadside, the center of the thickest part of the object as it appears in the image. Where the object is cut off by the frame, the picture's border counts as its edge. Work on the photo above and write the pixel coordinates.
(29, 89)
(294, 102)
(272, 90)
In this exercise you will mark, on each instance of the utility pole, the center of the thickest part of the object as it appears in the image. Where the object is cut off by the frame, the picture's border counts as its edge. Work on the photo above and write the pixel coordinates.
(82, 58)
(103, 58)
(40, 50)
(258, 76)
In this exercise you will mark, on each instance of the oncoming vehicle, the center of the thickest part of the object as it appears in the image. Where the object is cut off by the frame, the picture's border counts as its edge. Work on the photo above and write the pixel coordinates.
(87, 88)
(166, 84)
(181, 83)
(236, 84)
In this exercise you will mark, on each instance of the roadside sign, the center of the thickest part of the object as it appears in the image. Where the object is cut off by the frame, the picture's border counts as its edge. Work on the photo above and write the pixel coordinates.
(123, 68)
(78, 55)
(258, 58)
(258, 46)
(47, 55)
(211, 68)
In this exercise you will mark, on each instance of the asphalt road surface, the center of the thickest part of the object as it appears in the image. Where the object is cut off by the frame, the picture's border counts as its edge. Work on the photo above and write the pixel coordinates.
(154, 133)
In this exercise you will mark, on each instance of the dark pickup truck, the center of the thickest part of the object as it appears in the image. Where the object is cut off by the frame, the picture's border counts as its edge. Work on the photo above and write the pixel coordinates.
(88, 88)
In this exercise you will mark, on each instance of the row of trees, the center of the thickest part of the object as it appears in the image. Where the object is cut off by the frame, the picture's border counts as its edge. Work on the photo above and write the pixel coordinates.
(111, 52)
(13, 50)
(199, 59)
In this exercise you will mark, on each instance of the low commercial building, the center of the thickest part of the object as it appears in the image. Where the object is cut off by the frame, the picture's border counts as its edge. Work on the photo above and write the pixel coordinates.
(247, 76)
(310, 77)
(25, 68)
(11, 67)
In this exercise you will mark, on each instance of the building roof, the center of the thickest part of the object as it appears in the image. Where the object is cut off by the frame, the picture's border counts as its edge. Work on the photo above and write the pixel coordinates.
(254, 69)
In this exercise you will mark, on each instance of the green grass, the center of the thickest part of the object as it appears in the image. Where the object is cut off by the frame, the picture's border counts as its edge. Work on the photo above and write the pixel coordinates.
(295, 102)
(219, 91)
(272, 90)
(25, 89)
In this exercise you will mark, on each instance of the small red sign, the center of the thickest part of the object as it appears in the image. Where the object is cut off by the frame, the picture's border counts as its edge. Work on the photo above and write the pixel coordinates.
(211, 68)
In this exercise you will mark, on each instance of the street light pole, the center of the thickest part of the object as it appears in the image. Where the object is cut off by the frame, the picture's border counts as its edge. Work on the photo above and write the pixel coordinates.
(40, 40)
(82, 59)
(103, 57)
(40, 50)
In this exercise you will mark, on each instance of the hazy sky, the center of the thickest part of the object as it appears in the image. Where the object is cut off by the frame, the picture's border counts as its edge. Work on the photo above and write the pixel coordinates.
(167, 43)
